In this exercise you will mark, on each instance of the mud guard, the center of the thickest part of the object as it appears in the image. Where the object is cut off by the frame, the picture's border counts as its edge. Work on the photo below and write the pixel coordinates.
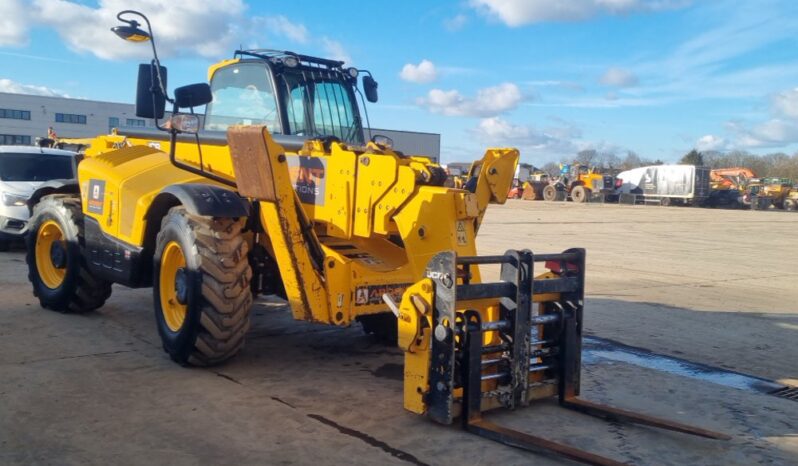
(206, 200)
(63, 186)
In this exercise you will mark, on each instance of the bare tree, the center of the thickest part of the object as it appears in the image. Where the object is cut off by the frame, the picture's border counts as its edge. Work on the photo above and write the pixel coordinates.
(586, 157)
(632, 160)
(552, 168)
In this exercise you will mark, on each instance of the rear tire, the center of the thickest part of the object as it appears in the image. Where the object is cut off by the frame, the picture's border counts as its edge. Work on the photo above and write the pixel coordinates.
(4, 246)
(790, 205)
(57, 269)
(550, 193)
(580, 194)
(201, 287)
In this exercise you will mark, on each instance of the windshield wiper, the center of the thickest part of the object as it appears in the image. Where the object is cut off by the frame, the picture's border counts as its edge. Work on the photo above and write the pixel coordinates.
(350, 131)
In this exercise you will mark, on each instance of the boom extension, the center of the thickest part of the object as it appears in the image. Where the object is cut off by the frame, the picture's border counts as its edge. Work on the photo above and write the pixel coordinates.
(527, 352)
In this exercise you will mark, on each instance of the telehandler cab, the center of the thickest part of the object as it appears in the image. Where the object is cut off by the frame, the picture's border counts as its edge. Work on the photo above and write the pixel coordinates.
(282, 194)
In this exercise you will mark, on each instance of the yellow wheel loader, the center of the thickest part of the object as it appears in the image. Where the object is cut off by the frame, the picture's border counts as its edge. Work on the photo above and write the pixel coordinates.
(280, 194)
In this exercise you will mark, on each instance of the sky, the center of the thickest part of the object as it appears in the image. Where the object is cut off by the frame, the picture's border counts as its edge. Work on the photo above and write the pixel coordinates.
(551, 77)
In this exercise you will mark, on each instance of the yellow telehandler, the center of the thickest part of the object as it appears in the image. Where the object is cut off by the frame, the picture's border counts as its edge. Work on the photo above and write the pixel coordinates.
(281, 194)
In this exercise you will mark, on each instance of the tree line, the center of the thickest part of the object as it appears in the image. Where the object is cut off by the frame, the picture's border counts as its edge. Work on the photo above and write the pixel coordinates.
(610, 162)
(776, 165)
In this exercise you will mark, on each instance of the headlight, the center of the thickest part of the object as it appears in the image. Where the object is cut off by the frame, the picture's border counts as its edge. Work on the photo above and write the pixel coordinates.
(185, 123)
(352, 72)
(291, 61)
(14, 200)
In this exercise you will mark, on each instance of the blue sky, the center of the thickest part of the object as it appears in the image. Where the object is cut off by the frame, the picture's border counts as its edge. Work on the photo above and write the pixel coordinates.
(658, 77)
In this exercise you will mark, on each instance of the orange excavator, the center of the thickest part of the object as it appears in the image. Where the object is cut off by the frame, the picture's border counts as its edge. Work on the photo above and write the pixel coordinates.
(731, 178)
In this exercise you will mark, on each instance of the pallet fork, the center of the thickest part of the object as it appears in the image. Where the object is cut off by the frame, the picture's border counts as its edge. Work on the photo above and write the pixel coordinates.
(534, 352)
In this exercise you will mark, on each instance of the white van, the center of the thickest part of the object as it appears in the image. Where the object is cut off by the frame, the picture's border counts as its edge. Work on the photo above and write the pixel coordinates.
(22, 170)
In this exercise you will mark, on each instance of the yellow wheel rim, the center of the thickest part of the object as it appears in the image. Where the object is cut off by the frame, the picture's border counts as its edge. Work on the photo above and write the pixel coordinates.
(48, 237)
(173, 265)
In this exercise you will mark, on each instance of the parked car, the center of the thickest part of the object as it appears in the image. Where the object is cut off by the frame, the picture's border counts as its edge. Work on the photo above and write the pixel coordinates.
(23, 171)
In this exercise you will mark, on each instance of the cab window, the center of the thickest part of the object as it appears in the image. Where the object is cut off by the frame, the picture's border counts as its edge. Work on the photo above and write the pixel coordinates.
(319, 107)
(242, 95)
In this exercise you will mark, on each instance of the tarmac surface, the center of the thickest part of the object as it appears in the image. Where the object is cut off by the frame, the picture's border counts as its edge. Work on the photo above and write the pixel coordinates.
(706, 287)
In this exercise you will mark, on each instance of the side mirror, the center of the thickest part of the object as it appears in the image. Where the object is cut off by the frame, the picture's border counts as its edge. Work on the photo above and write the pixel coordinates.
(150, 100)
(193, 95)
(370, 88)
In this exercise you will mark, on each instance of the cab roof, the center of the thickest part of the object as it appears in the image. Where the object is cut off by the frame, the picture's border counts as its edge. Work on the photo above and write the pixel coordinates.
(34, 150)
(277, 56)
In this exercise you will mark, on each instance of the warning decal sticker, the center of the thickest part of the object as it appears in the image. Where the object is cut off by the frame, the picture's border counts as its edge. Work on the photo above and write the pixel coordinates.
(462, 236)
(96, 196)
(372, 294)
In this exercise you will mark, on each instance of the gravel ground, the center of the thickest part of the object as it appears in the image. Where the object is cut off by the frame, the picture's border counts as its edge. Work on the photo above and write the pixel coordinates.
(711, 286)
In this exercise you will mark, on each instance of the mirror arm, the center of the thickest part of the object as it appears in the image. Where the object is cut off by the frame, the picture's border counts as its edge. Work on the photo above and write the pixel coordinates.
(155, 60)
(366, 111)
(172, 135)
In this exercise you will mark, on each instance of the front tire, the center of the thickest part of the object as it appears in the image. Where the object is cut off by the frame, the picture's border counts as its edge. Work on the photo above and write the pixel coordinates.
(580, 194)
(201, 287)
(550, 193)
(57, 269)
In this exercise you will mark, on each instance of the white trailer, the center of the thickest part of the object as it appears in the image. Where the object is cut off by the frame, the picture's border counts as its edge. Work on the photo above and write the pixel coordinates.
(665, 185)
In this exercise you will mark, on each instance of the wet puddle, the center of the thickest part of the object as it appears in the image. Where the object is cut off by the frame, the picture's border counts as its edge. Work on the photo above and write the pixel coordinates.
(599, 350)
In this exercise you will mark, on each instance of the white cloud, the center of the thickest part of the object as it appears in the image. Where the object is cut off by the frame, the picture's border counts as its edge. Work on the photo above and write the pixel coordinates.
(13, 87)
(560, 140)
(180, 28)
(13, 23)
(779, 130)
(205, 29)
(710, 142)
(775, 132)
(284, 27)
(520, 12)
(422, 73)
(490, 101)
(714, 63)
(618, 77)
(555, 83)
(498, 129)
(335, 50)
(786, 103)
(455, 23)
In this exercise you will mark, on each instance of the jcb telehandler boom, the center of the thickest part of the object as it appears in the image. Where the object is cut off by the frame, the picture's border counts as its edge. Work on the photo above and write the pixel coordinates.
(291, 200)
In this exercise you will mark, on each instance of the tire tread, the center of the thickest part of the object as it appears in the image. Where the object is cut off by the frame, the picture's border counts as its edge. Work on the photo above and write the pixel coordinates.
(90, 292)
(226, 296)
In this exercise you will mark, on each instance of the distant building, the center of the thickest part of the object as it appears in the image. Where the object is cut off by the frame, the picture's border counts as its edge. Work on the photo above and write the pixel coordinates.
(23, 118)
(412, 142)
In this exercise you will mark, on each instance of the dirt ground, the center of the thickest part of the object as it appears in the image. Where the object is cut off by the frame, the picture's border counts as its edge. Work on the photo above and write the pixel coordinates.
(712, 286)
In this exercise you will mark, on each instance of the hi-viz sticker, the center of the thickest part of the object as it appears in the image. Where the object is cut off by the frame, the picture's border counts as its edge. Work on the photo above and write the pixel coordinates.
(96, 196)
(462, 236)
(308, 177)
